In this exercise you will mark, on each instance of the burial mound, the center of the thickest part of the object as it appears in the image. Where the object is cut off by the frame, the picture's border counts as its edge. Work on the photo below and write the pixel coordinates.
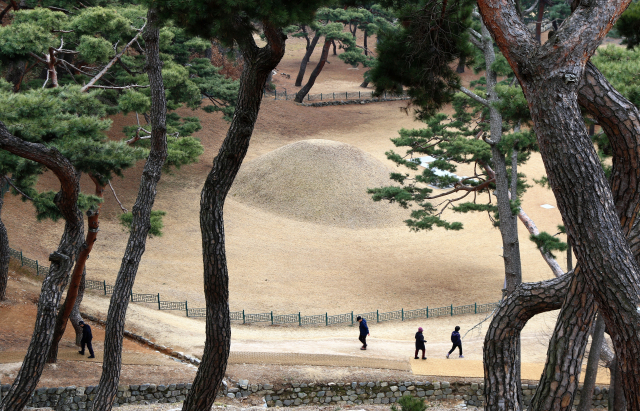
(318, 181)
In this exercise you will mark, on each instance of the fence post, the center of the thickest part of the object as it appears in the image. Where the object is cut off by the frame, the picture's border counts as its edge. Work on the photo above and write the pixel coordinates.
(320, 96)
(271, 317)
(402, 314)
(452, 310)
(104, 283)
(186, 307)
(334, 95)
(37, 268)
(308, 97)
(385, 94)
(476, 308)
(243, 317)
(427, 311)
(132, 295)
(358, 93)
(377, 316)
(159, 301)
(299, 319)
(21, 260)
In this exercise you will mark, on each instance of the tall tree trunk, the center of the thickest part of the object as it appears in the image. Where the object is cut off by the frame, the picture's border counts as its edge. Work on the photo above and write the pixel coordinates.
(306, 36)
(114, 332)
(335, 53)
(617, 401)
(4, 249)
(300, 95)
(93, 224)
(258, 63)
(621, 122)
(305, 59)
(366, 48)
(589, 384)
(61, 263)
(549, 76)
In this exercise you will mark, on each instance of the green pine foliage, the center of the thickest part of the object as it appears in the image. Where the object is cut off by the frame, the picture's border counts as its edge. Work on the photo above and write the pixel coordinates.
(157, 225)
(420, 53)
(628, 25)
(548, 243)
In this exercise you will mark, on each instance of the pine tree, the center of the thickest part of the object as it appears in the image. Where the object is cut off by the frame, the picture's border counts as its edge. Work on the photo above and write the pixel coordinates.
(231, 22)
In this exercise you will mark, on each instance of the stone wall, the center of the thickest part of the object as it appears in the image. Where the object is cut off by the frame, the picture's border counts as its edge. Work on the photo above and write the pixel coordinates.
(378, 392)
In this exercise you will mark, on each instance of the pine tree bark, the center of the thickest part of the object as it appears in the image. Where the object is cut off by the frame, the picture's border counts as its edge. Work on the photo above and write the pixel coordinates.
(305, 60)
(114, 332)
(549, 75)
(4, 250)
(258, 63)
(93, 223)
(61, 263)
(622, 122)
(597, 339)
(300, 95)
(501, 341)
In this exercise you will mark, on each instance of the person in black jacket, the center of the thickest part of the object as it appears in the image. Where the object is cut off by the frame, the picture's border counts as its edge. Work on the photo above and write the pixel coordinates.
(86, 339)
(457, 342)
(420, 344)
(364, 331)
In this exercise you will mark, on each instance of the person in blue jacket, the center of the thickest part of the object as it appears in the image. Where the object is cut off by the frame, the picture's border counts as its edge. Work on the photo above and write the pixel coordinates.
(457, 342)
(86, 339)
(420, 344)
(364, 331)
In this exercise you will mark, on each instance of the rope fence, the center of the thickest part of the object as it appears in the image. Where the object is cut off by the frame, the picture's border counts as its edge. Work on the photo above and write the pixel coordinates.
(269, 317)
(343, 95)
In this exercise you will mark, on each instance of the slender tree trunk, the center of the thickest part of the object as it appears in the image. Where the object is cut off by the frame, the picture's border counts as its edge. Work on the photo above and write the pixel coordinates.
(258, 63)
(541, 4)
(364, 84)
(114, 332)
(75, 317)
(366, 49)
(306, 36)
(589, 384)
(4, 249)
(78, 273)
(300, 95)
(61, 263)
(305, 59)
(335, 53)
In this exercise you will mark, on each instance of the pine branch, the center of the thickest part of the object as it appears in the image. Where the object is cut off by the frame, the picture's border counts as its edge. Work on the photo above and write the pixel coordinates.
(124, 210)
(475, 96)
(111, 63)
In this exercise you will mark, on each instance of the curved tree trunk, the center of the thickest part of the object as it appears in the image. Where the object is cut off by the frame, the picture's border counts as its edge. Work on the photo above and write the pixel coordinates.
(114, 332)
(61, 263)
(305, 60)
(549, 76)
(300, 95)
(335, 53)
(621, 122)
(501, 341)
(78, 274)
(258, 63)
(4, 250)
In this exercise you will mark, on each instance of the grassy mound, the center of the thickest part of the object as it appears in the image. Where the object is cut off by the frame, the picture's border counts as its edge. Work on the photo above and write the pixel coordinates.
(319, 181)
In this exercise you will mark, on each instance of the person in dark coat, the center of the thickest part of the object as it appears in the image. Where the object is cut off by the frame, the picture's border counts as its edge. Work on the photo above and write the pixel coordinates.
(86, 339)
(364, 331)
(457, 342)
(420, 344)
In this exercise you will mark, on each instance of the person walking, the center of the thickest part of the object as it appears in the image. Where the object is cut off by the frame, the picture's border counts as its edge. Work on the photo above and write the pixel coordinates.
(457, 342)
(420, 344)
(364, 332)
(86, 339)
